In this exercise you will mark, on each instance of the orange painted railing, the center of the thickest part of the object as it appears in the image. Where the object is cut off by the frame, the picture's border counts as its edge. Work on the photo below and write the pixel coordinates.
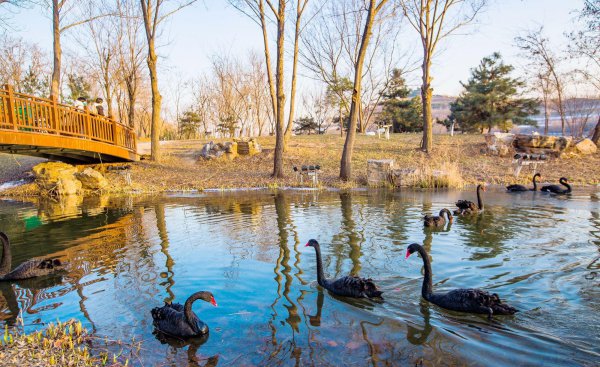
(24, 113)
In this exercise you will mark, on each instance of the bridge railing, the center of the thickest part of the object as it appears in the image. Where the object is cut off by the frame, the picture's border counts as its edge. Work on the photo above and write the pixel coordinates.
(25, 113)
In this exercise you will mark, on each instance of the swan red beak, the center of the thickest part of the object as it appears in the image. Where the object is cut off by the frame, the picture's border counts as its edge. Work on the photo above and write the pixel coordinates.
(307, 244)
(407, 254)
(213, 302)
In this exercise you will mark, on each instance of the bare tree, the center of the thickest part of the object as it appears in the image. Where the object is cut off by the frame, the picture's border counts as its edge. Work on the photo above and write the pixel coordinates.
(130, 53)
(23, 65)
(581, 112)
(104, 52)
(537, 50)
(154, 13)
(319, 109)
(434, 20)
(330, 51)
(255, 9)
(66, 14)
(346, 162)
(586, 45)
(300, 7)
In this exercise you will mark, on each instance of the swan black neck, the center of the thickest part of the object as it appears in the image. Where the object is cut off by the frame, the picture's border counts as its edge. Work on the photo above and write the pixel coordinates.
(563, 181)
(479, 200)
(427, 288)
(190, 317)
(5, 262)
(320, 275)
(448, 214)
(535, 177)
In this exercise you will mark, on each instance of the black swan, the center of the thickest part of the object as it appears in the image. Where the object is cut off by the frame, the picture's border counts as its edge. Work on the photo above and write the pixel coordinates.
(29, 269)
(180, 321)
(437, 220)
(520, 188)
(556, 189)
(348, 286)
(464, 300)
(469, 207)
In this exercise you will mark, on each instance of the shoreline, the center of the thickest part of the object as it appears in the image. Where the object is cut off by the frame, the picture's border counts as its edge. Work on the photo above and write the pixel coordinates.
(182, 170)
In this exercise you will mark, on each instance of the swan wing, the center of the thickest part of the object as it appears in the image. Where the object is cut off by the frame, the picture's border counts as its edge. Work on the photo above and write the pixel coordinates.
(172, 322)
(473, 300)
(466, 204)
(351, 286)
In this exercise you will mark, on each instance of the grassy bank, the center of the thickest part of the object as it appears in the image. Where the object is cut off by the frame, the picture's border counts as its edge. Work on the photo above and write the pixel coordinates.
(61, 344)
(181, 167)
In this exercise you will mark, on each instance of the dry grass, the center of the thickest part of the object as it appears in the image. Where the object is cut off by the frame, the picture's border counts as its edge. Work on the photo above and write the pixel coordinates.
(460, 156)
(61, 344)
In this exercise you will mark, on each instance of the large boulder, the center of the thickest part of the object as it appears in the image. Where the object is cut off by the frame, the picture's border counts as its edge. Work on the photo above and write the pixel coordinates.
(586, 146)
(57, 178)
(91, 179)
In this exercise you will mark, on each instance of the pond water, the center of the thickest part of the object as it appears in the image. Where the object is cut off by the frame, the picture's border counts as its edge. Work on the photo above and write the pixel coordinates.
(127, 255)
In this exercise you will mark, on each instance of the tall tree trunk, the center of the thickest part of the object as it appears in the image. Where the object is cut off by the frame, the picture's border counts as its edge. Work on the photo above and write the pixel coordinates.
(55, 85)
(426, 92)
(596, 136)
(131, 95)
(280, 116)
(546, 115)
(270, 78)
(156, 103)
(290, 123)
(346, 162)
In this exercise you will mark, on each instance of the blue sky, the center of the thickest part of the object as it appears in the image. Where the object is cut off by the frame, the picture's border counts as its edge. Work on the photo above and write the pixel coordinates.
(212, 26)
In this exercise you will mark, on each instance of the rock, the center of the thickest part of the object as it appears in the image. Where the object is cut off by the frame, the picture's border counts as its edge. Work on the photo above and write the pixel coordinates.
(586, 146)
(57, 178)
(379, 172)
(248, 146)
(542, 144)
(405, 176)
(91, 179)
(499, 143)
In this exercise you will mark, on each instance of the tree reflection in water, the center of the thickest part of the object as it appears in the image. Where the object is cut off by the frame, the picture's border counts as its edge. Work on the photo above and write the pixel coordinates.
(161, 224)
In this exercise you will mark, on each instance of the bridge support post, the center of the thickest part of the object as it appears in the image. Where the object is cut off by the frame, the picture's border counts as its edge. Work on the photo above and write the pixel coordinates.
(114, 132)
(55, 115)
(12, 112)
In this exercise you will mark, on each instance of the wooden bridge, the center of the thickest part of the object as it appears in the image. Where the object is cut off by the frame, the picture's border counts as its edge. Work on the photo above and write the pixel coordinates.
(45, 128)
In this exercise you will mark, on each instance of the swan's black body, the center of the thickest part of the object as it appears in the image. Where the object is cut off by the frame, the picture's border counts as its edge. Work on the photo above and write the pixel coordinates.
(521, 188)
(180, 321)
(469, 207)
(556, 189)
(29, 269)
(348, 286)
(437, 220)
(464, 300)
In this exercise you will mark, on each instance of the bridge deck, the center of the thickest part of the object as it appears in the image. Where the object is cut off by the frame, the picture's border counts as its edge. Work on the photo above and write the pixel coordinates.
(42, 127)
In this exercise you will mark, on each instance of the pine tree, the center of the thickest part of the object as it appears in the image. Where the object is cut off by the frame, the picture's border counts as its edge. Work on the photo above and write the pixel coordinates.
(189, 124)
(306, 125)
(492, 98)
(400, 111)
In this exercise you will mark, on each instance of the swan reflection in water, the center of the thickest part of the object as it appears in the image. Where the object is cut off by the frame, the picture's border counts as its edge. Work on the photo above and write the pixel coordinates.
(418, 336)
(193, 345)
(31, 292)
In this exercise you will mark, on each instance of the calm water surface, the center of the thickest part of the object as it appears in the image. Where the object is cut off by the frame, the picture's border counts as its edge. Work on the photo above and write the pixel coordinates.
(127, 255)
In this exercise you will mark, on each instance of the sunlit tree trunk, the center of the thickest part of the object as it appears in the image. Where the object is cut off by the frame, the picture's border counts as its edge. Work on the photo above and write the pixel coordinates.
(54, 87)
(290, 124)
(346, 162)
(280, 117)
